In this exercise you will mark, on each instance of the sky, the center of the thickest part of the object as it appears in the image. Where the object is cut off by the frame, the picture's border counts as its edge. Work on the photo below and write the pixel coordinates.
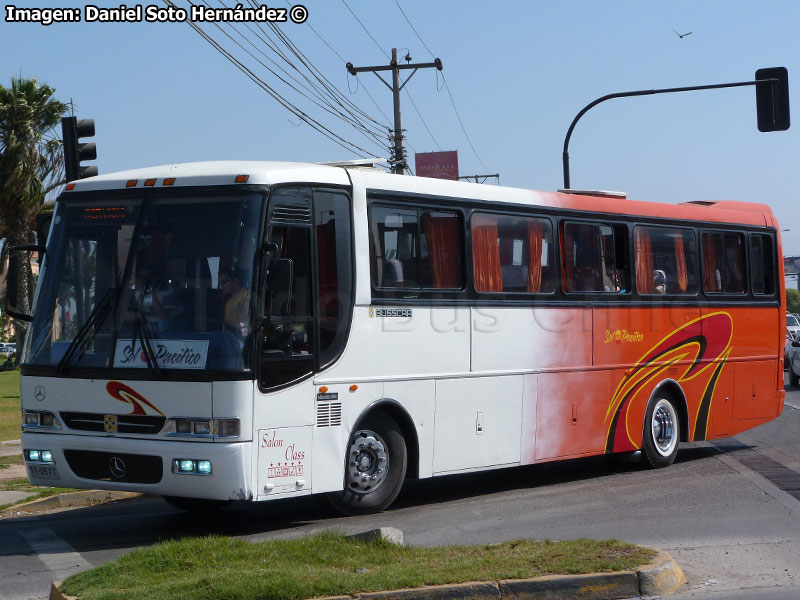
(517, 73)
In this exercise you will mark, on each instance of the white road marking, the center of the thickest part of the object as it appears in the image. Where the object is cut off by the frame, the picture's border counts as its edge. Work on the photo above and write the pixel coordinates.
(53, 551)
(790, 405)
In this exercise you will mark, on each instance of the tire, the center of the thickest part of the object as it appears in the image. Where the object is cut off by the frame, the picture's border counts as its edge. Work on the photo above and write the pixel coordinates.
(375, 467)
(661, 433)
(196, 505)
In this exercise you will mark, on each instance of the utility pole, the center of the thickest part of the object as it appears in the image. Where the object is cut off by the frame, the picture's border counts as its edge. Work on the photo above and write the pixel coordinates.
(481, 177)
(398, 152)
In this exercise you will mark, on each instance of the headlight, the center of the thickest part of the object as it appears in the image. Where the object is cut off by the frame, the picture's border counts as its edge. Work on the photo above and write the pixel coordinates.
(195, 427)
(40, 419)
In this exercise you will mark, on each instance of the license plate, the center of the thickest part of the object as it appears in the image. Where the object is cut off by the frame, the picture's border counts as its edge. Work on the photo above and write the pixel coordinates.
(43, 472)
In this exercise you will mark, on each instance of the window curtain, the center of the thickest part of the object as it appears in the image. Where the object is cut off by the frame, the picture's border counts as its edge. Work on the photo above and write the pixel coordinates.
(710, 282)
(486, 254)
(535, 236)
(680, 263)
(443, 233)
(644, 261)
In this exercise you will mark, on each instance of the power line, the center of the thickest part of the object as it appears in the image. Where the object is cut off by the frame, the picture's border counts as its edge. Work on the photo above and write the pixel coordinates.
(447, 87)
(322, 102)
(364, 27)
(302, 115)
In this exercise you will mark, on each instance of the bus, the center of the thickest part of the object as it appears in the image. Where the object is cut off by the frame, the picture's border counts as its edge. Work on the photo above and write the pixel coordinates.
(252, 331)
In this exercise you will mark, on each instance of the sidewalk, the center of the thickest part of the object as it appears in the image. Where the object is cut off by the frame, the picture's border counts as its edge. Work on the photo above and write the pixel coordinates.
(12, 448)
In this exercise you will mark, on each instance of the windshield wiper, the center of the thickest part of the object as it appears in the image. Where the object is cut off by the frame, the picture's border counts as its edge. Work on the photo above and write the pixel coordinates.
(143, 329)
(96, 317)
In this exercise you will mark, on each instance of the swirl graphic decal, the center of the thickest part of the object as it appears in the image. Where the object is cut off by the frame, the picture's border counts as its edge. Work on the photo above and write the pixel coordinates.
(127, 394)
(702, 345)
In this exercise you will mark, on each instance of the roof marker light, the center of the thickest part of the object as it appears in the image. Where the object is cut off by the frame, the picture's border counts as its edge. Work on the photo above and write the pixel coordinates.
(132, 183)
(169, 181)
(70, 187)
(149, 182)
(242, 178)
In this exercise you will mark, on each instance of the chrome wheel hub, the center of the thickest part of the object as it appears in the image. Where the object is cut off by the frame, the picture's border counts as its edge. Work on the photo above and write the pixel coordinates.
(367, 462)
(662, 427)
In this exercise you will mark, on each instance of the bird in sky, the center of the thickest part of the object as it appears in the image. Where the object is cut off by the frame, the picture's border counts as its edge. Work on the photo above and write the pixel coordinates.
(682, 35)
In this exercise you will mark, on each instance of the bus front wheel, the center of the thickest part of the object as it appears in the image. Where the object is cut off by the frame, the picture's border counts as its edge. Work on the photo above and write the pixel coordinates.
(375, 467)
(661, 433)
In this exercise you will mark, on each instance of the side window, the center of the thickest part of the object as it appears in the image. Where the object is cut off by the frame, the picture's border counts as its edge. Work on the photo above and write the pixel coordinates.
(666, 260)
(416, 249)
(287, 345)
(723, 263)
(762, 265)
(595, 258)
(335, 278)
(512, 254)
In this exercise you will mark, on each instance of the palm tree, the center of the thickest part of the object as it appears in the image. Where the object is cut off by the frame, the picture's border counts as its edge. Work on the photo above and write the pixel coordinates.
(30, 166)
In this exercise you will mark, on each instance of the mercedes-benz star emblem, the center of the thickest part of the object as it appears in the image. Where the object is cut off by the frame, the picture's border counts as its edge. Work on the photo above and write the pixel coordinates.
(39, 393)
(117, 467)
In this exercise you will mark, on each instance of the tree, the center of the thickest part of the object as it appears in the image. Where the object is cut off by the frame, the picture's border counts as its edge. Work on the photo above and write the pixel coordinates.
(31, 165)
(792, 300)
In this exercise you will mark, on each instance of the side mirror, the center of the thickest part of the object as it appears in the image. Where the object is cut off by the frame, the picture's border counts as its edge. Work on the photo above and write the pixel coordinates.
(12, 288)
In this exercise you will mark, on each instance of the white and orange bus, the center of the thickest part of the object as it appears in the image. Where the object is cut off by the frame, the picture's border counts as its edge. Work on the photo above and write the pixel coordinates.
(262, 330)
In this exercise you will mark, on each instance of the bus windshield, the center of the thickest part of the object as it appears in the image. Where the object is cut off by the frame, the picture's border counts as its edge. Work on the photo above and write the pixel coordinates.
(156, 283)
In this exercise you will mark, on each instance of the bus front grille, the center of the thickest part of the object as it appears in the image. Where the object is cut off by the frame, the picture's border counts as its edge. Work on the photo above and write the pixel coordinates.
(125, 423)
(108, 466)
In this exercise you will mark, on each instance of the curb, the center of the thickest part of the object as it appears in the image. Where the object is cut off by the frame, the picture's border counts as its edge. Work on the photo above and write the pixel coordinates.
(661, 576)
(70, 500)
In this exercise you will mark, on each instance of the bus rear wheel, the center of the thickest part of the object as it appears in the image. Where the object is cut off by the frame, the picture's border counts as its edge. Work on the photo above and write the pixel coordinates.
(196, 505)
(661, 433)
(375, 467)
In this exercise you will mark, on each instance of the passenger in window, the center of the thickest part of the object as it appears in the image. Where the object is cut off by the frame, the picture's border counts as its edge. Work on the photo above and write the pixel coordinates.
(659, 281)
(237, 302)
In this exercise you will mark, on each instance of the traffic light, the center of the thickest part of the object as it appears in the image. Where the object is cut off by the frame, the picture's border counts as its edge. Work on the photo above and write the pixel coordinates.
(75, 153)
(772, 99)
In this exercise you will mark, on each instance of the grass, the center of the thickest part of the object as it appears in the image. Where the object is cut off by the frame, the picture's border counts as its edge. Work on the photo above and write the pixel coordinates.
(10, 416)
(326, 564)
(10, 421)
(23, 485)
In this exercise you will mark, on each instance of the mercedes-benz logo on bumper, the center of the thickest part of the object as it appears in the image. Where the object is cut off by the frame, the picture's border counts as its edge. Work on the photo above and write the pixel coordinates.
(39, 393)
(117, 467)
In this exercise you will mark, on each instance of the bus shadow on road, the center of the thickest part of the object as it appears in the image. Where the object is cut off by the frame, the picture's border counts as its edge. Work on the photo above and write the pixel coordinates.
(148, 520)
(530, 477)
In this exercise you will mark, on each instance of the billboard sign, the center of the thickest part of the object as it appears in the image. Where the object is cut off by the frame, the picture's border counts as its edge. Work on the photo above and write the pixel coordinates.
(441, 165)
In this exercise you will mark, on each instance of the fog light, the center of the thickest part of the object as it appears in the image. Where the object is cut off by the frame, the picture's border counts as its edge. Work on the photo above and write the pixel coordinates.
(33, 455)
(186, 466)
(46, 456)
(204, 467)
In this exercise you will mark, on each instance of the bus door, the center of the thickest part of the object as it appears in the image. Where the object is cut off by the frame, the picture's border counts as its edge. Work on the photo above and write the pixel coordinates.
(306, 305)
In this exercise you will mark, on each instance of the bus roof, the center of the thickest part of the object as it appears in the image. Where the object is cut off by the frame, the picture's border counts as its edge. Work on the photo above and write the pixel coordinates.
(274, 173)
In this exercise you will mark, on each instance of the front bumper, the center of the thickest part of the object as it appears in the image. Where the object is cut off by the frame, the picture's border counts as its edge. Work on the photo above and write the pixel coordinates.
(87, 462)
